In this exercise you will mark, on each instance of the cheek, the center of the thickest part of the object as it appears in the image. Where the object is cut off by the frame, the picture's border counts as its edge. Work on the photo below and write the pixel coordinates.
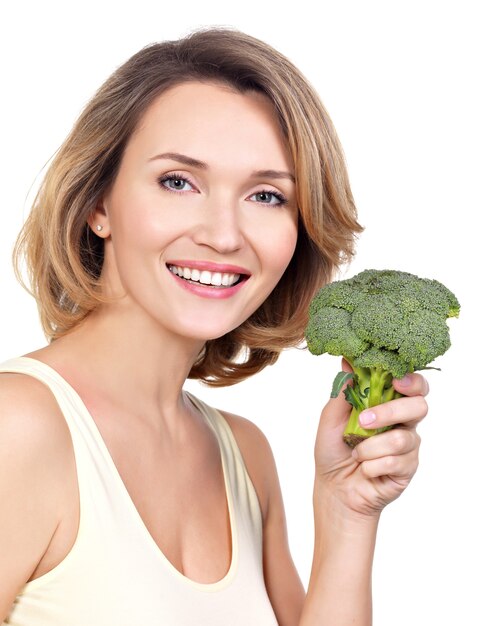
(139, 222)
(281, 243)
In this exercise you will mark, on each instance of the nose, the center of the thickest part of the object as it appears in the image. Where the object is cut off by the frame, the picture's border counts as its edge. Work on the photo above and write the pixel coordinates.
(219, 228)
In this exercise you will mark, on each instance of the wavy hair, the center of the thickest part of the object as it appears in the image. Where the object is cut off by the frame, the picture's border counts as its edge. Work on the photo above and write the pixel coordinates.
(64, 257)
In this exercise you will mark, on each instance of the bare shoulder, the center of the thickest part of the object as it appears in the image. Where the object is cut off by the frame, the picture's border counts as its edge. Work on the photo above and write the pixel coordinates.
(28, 408)
(34, 453)
(33, 430)
(257, 455)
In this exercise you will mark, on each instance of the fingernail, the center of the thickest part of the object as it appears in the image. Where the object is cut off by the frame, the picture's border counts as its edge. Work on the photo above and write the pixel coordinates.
(405, 381)
(367, 417)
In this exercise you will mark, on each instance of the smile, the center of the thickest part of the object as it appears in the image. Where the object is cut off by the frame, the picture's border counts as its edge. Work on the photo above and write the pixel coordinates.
(205, 277)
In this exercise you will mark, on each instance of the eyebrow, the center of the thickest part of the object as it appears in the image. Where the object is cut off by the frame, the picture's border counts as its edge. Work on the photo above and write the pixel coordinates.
(187, 160)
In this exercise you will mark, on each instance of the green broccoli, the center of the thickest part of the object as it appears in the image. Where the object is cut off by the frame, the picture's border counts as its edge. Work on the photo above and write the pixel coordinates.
(385, 323)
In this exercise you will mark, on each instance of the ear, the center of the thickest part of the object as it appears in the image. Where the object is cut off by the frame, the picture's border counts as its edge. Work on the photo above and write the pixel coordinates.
(98, 220)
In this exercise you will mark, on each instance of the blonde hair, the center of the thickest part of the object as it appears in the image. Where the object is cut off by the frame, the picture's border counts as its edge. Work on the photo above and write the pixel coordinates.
(64, 258)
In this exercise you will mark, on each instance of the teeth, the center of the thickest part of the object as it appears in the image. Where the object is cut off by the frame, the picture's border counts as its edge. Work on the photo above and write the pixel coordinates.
(216, 279)
(205, 277)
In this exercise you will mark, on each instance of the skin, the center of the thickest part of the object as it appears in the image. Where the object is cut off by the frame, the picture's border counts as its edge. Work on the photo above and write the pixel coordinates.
(131, 358)
(351, 489)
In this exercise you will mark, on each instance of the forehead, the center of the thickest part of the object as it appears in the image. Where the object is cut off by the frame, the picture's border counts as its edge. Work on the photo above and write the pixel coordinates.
(206, 117)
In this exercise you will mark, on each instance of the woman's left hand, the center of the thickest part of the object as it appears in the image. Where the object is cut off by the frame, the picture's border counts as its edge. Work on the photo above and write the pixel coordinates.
(364, 480)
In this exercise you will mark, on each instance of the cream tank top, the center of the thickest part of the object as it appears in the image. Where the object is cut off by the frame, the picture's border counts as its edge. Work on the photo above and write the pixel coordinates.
(115, 574)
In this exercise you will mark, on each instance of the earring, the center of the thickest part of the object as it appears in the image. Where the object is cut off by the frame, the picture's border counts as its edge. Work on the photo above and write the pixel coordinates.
(99, 227)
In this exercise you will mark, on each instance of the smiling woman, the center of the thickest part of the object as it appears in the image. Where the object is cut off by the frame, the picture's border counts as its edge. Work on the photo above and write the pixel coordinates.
(65, 273)
(181, 231)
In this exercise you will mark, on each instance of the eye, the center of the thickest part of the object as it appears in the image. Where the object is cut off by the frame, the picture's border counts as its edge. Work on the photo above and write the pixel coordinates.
(273, 198)
(175, 182)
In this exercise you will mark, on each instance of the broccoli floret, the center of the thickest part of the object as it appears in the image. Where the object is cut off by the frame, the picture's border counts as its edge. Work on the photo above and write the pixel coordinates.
(386, 323)
(419, 347)
(337, 294)
(378, 321)
(330, 331)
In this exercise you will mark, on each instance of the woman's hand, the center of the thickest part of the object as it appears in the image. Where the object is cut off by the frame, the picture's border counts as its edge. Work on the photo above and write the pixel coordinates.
(362, 481)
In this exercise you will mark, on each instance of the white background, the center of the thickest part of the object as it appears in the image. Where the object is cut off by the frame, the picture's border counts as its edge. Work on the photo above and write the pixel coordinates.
(402, 82)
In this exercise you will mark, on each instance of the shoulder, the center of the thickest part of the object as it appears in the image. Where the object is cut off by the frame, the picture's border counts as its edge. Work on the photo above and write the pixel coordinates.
(28, 406)
(31, 423)
(35, 441)
(34, 453)
(33, 430)
(257, 455)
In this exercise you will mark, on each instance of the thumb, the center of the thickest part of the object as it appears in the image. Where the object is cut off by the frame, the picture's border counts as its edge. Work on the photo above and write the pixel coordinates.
(337, 410)
(330, 449)
(335, 413)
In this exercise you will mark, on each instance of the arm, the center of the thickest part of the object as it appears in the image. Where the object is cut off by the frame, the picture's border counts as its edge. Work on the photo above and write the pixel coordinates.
(30, 465)
(350, 491)
(344, 537)
(339, 590)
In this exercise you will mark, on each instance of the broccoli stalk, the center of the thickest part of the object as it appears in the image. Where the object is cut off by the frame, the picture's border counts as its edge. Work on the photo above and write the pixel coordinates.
(371, 386)
(386, 324)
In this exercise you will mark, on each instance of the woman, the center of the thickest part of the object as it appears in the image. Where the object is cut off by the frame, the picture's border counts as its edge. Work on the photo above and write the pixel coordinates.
(181, 231)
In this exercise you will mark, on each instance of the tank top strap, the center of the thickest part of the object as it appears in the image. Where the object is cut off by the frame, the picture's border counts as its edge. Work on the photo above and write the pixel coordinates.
(244, 492)
(68, 400)
(220, 426)
(94, 475)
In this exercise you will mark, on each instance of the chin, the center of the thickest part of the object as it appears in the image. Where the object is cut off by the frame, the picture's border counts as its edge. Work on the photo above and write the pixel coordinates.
(210, 335)
(206, 332)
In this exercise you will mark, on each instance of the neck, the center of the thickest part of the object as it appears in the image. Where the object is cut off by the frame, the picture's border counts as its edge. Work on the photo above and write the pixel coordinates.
(131, 362)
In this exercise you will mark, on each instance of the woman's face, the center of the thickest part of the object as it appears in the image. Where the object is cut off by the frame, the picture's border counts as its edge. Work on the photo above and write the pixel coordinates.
(201, 221)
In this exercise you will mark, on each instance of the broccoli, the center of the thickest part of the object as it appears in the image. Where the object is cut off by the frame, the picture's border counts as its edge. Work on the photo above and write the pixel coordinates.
(385, 323)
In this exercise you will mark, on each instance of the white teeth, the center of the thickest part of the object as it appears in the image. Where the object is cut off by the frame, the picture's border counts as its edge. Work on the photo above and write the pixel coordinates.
(205, 277)
(217, 279)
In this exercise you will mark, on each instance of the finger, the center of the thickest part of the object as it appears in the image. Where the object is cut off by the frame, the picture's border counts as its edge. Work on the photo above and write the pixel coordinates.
(407, 410)
(400, 466)
(411, 385)
(393, 442)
